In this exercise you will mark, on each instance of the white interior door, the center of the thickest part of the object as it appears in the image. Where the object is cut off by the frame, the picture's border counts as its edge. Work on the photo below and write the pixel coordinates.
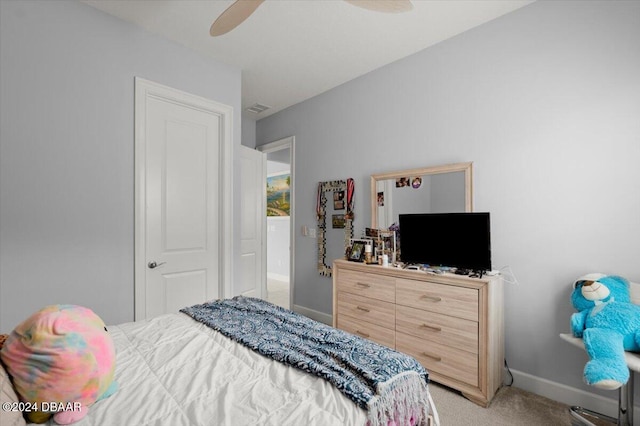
(252, 211)
(178, 245)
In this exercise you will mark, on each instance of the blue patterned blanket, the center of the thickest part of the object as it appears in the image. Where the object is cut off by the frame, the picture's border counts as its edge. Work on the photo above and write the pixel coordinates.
(390, 385)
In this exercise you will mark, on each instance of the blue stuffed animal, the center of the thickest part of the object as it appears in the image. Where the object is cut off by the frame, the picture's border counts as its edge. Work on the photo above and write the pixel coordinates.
(609, 324)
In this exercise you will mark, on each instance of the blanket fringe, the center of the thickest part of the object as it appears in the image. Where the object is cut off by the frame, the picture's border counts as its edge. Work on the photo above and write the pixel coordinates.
(402, 400)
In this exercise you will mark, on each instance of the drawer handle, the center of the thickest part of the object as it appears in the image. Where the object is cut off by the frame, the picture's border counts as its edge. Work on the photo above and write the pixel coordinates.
(430, 327)
(363, 309)
(362, 334)
(365, 285)
(433, 299)
(434, 357)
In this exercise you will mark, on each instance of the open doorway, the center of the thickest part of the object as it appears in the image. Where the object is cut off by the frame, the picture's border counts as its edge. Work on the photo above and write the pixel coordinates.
(279, 221)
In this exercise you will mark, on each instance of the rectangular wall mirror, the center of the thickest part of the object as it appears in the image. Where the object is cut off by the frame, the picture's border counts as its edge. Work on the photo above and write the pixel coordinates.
(439, 189)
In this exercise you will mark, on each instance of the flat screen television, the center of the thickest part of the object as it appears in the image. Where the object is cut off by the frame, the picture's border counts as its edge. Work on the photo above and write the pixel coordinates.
(460, 240)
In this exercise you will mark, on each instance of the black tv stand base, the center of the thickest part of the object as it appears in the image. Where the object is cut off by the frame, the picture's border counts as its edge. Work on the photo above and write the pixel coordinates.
(460, 271)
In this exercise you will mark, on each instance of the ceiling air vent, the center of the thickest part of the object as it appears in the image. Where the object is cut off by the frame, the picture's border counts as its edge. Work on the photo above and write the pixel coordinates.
(257, 108)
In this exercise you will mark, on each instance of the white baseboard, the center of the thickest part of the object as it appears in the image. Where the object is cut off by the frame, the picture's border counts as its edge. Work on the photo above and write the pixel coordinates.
(569, 395)
(315, 315)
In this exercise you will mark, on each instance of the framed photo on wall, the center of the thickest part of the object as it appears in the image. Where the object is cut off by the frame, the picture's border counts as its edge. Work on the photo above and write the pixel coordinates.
(338, 200)
(279, 195)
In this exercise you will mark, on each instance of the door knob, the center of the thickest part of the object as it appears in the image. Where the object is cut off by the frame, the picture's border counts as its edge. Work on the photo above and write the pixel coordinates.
(153, 264)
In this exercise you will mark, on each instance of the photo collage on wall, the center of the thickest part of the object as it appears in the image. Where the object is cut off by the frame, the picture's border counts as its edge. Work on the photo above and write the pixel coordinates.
(338, 220)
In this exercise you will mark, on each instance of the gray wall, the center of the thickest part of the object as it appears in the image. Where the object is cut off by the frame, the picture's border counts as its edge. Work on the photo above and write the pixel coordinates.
(66, 151)
(546, 102)
(248, 132)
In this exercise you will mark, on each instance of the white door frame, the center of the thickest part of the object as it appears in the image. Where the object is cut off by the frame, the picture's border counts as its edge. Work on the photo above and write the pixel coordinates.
(145, 89)
(290, 143)
(259, 290)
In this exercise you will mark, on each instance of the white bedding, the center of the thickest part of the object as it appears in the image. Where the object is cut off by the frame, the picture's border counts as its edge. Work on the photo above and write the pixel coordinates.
(172, 370)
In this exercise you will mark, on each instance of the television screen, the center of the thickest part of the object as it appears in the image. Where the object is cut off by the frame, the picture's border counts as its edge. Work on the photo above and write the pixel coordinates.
(460, 240)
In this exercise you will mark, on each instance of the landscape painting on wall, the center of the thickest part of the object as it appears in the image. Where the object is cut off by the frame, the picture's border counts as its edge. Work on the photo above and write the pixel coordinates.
(278, 195)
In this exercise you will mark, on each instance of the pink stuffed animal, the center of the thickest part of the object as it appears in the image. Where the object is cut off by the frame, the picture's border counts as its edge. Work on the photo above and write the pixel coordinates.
(62, 360)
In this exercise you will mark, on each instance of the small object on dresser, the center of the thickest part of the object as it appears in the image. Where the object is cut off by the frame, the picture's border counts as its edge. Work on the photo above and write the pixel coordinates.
(368, 253)
(385, 260)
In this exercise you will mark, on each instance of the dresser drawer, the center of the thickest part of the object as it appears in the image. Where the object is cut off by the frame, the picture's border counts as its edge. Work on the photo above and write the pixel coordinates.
(445, 299)
(376, 333)
(367, 309)
(369, 285)
(429, 326)
(444, 360)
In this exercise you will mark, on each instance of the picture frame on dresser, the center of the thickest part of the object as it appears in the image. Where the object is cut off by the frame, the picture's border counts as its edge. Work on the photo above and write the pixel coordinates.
(356, 253)
(387, 244)
(384, 242)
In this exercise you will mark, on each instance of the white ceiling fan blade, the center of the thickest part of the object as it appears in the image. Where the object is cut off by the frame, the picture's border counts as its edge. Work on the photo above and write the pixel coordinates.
(233, 16)
(386, 6)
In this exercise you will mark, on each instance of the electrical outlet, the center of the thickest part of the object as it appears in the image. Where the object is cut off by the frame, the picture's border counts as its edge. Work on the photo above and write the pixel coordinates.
(312, 232)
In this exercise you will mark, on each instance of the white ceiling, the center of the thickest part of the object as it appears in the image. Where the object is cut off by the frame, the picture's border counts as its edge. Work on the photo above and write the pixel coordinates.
(292, 50)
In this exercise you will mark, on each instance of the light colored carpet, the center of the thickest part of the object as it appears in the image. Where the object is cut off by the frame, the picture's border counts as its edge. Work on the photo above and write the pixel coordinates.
(278, 292)
(510, 407)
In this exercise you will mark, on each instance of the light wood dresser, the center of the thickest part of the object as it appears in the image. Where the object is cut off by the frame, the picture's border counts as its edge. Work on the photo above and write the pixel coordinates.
(452, 324)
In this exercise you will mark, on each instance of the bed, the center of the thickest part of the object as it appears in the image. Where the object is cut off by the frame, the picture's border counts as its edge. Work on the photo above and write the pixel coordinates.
(175, 370)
